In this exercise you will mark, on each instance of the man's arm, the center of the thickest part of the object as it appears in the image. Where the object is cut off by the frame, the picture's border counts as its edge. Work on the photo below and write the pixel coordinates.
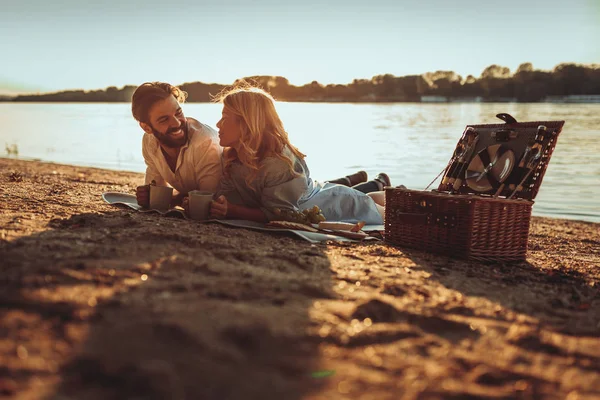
(152, 173)
(208, 169)
(142, 193)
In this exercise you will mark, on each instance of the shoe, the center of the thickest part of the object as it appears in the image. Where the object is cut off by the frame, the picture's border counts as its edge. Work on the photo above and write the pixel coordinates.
(359, 177)
(384, 179)
(340, 181)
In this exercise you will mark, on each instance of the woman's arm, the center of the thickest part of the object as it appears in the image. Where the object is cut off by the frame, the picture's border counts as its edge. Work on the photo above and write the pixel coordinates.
(221, 208)
(235, 211)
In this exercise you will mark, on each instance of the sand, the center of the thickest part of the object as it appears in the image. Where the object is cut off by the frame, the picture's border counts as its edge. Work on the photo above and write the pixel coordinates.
(101, 302)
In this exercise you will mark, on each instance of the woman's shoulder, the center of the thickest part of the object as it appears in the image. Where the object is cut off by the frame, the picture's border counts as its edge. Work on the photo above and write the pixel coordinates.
(275, 170)
(286, 164)
(284, 158)
(270, 162)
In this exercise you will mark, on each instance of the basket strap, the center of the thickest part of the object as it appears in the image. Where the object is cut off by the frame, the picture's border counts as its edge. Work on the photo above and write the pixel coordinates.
(436, 178)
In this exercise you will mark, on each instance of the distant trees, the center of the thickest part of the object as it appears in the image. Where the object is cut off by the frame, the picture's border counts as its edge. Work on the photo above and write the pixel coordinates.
(110, 94)
(442, 83)
(201, 92)
(531, 85)
(495, 83)
(574, 79)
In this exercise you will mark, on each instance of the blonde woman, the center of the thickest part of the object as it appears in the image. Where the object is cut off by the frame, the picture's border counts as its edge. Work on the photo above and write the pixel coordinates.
(264, 171)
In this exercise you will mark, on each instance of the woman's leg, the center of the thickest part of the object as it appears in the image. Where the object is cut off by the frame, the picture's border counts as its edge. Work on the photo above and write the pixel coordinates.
(378, 197)
(368, 187)
(381, 210)
(351, 180)
(374, 185)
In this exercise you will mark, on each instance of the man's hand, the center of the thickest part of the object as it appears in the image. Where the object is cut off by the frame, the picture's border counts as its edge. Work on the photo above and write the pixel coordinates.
(185, 203)
(142, 195)
(218, 208)
(177, 199)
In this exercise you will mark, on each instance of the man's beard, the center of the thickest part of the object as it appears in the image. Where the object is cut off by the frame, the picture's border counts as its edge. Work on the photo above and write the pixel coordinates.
(167, 140)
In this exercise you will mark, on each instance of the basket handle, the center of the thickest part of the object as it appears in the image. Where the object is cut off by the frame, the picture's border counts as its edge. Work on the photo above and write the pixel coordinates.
(509, 119)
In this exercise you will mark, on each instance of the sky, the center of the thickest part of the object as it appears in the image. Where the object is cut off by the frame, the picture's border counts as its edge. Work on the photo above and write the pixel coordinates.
(51, 45)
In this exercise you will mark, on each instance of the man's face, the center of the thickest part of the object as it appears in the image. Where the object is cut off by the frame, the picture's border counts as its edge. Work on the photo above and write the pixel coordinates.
(167, 123)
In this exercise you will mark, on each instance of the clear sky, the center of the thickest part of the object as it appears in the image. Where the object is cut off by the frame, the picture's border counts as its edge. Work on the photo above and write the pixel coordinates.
(48, 45)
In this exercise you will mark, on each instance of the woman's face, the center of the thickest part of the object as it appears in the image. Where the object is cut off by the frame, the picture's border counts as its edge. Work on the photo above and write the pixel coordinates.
(229, 129)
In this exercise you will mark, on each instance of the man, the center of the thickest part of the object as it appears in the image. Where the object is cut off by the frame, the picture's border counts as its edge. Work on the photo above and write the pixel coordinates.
(179, 152)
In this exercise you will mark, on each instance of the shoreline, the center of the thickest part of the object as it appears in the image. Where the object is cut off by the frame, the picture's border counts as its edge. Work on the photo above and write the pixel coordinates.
(466, 100)
(107, 168)
(101, 302)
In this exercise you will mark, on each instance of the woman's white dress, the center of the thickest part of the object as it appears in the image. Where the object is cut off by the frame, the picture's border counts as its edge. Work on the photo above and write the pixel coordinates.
(275, 186)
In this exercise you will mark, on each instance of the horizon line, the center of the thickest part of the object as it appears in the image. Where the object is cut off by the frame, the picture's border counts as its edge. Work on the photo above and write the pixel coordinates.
(40, 92)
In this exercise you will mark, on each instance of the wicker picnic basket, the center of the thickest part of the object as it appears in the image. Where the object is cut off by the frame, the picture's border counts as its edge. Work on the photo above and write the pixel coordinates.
(482, 207)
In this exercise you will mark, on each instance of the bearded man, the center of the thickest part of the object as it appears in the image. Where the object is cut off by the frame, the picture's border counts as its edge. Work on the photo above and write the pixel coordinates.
(179, 152)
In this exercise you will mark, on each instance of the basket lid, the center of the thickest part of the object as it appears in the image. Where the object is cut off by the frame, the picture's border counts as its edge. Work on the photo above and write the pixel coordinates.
(505, 160)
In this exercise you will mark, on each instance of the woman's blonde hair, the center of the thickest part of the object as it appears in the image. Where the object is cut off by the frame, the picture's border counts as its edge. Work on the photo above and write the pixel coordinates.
(262, 132)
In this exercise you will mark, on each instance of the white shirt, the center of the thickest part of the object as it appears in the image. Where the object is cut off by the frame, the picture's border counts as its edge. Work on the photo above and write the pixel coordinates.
(198, 164)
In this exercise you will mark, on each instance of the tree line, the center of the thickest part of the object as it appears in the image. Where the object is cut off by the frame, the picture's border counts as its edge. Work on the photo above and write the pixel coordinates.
(496, 83)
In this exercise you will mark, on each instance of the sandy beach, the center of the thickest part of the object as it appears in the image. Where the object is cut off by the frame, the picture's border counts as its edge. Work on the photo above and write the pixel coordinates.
(102, 302)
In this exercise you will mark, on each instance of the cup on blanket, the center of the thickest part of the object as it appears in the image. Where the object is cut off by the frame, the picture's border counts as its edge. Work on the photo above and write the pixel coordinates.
(160, 197)
(200, 204)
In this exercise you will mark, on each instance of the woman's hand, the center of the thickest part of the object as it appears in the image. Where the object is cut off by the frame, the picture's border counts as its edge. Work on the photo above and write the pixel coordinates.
(218, 208)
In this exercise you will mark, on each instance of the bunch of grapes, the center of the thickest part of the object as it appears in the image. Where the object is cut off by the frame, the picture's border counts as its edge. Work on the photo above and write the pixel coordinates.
(306, 217)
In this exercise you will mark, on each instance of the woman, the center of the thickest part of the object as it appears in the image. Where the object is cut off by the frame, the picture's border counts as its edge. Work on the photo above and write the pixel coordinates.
(263, 171)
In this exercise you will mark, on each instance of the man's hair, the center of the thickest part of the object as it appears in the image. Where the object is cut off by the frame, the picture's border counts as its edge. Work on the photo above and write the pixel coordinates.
(147, 94)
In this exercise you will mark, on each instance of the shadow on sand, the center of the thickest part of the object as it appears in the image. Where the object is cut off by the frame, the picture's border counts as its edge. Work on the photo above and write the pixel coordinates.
(148, 307)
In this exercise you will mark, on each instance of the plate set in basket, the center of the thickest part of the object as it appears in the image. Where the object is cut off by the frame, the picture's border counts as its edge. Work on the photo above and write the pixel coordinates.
(482, 207)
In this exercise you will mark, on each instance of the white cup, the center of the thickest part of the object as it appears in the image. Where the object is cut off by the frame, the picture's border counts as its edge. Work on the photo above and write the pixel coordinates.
(160, 197)
(200, 204)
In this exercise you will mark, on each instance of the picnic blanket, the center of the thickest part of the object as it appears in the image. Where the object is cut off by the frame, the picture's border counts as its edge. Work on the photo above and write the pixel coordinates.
(130, 201)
